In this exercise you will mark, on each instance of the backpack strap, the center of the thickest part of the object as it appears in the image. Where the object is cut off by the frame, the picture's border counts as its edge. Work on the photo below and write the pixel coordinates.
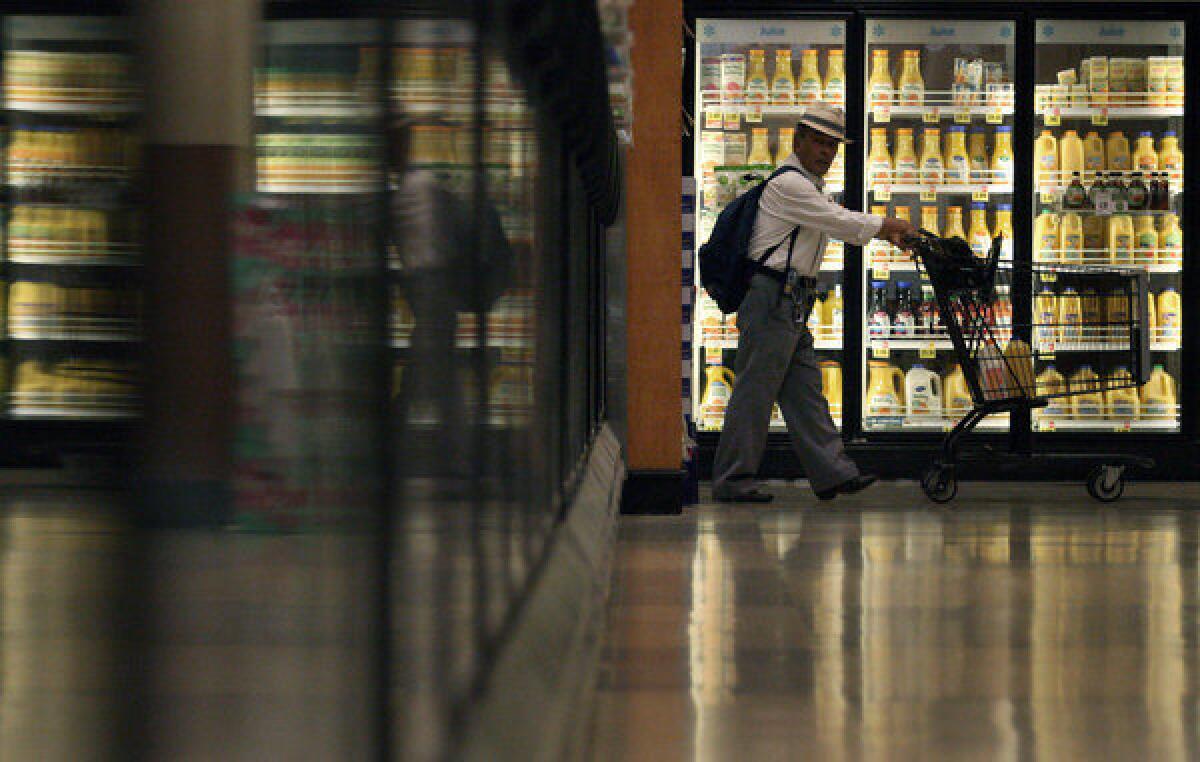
(790, 239)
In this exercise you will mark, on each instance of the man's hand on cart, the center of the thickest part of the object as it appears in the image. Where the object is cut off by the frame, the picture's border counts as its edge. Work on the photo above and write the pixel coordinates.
(897, 232)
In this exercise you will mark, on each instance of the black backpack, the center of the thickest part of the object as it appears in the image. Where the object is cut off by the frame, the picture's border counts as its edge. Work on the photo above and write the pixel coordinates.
(725, 266)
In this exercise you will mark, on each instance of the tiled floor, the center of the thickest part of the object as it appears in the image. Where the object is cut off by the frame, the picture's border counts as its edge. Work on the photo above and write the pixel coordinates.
(1021, 622)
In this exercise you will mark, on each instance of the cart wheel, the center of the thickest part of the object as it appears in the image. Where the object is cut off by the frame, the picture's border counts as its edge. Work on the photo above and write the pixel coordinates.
(1106, 483)
(939, 483)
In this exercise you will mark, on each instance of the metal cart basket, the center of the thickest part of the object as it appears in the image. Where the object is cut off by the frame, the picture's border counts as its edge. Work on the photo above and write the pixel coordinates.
(1075, 307)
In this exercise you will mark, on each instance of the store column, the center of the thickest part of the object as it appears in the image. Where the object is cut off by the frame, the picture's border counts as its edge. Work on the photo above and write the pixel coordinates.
(198, 63)
(655, 478)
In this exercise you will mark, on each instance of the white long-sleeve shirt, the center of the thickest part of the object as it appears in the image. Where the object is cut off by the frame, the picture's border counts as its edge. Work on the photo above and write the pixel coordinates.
(798, 199)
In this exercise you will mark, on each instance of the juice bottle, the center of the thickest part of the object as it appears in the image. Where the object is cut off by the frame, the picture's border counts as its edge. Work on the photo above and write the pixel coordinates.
(1002, 157)
(1046, 238)
(783, 84)
(809, 88)
(924, 391)
(928, 319)
(783, 149)
(932, 169)
(1116, 148)
(1070, 238)
(1120, 239)
(1070, 153)
(1093, 156)
(1070, 315)
(1170, 158)
(1093, 314)
(954, 223)
(1087, 402)
(1045, 314)
(1004, 229)
(957, 162)
(958, 395)
(835, 77)
(1145, 158)
(905, 321)
(1137, 193)
(1151, 316)
(836, 308)
(977, 155)
(929, 219)
(1170, 240)
(885, 390)
(1170, 317)
(879, 320)
(831, 385)
(880, 84)
(1002, 312)
(1045, 152)
(1075, 195)
(879, 163)
(760, 152)
(979, 236)
(758, 90)
(1158, 395)
(911, 84)
(1122, 396)
(907, 167)
(837, 168)
(1145, 240)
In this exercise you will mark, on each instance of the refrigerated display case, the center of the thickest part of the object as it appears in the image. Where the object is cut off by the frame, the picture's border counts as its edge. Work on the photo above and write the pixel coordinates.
(72, 221)
(940, 100)
(950, 106)
(1108, 179)
(753, 82)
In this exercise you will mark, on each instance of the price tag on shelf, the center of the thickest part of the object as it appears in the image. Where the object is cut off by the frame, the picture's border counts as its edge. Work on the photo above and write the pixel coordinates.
(882, 113)
(931, 115)
(1122, 427)
(883, 194)
(880, 349)
(929, 195)
(712, 356)
(1053, 117)
(753, 114)
(1047, 196)
(928, 351)
(980, 194)
(947, 426)
(733, 120)
(881, 268)
(995, 116)
(713, 120)
(962, 117)
(1100, 117)
(1049, 276)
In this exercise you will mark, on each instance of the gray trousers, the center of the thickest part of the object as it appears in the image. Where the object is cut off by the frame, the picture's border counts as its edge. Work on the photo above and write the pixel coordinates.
(776, 361)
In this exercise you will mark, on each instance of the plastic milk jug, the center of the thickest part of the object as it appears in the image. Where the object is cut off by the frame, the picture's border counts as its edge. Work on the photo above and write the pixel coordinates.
(880, 83)
(885, 389)
(1093, 156)
(923, 391)
(1170, 158)
(1045, 152)
(1116, 148)
(1051, 382)
(1145, 158)
(957, 161)
(1046, 238)
(1070, 151)
(1120, 239)
(835, 77)
(1070, 237)
(958, 395)
(912, 85)
(1122, 396)
(879, 164)
(1145, 240)
(1158, 395)
(1170, 240)
(783, 84)
(1087, 402)
(1170, 318)
(719, 385)
(1070, 315)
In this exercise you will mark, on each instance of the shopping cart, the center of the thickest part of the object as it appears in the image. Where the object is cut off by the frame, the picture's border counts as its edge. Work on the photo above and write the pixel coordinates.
(1076, 308)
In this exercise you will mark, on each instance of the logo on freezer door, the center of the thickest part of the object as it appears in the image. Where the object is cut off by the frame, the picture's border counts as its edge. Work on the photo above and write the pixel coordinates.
(709, 30)
(941, 31)
(836, 31)
(1112, 31)
(1048, 31)
(772, 31)
(879, 31)
(1006, 31)
(1175, 32)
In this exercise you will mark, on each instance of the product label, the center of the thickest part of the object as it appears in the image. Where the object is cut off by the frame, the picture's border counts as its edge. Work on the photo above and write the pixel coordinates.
(932, 172)
(879, 324)
(957, 170)
(904, 324)
(907, 171)
(911, 94)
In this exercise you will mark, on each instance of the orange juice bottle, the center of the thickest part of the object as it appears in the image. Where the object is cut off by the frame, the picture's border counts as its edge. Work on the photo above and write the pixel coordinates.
(1093, 156)
(1046, 246)
(954, 223)
(1170, 240)
(1070, 236)
(1045, 153)
(957, 162)
(1116, 148)
(907, 166)
(880, 84)
(1145, 240)
(933, 171)
(1145, 158)
(911, 84)
(979, 236)
(835, 77)
(1120, 239)
(879, 162)
(1170, 158)
(1170, 315)
(783, 84)
(809, 88)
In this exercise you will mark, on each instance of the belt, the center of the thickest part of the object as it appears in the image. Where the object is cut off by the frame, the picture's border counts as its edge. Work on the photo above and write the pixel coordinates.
(781, 276)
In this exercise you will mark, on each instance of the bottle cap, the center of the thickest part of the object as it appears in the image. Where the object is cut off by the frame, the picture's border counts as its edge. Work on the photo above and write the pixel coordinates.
(903, 284)
(978, 206)
(958, 128)
(1169, 134)
(1145, 134)
(1004, 128)
(1004, 207)
(878, 283)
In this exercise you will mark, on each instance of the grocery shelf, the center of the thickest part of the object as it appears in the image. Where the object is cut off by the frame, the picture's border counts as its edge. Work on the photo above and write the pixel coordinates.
(823, 343)
(466, 342)
(1048, 424)
(74, 254)
(880, 423)
(956, 189)
(47, 330)
(300, 107)
(34, 411)
(911, 343)
(20, 176)
(1112, 112)
(67, 106)
(346, 188)
(939, 111)
(1102, 346)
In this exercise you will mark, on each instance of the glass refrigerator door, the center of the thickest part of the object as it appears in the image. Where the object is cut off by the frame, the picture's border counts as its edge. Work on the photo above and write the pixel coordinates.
(1108, 178)
(753, 82)
(939, 111)
(72, 223)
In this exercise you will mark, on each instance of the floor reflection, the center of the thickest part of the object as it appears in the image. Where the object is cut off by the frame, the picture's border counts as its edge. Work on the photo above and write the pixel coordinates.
(1027, 622)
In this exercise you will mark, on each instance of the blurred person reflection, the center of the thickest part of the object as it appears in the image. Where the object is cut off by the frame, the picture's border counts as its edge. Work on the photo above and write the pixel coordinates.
(451, 258)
